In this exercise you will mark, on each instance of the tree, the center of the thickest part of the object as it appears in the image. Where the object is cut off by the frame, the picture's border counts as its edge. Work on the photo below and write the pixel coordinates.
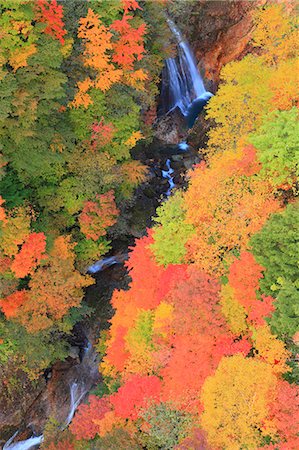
(171, 232)
(280, 261)
(139, 343)
(225, 204)
(11, 304)
(118, 438)
(283, 411)
(97, 46)
(275, 33)
(84, 425)
(258, 83)
(285, 319)
(198, 339)
(244, 276)
(270, 349)
(276, 248)
(14, 230)
(129, 46)
(19, 36)
(54, 288)
(141, 315)
(30, 255)
(51, 14)
(137, 394)
(97, 216)
(164, 427)
(145, 290)
(242, 100)
(31, 119)
(277, 147)
(2, 210)
(236, 403)
(65, 444)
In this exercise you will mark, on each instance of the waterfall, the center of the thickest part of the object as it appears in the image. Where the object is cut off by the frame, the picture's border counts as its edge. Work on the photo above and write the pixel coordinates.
(182, 85)
(23, 445)
(77, 393)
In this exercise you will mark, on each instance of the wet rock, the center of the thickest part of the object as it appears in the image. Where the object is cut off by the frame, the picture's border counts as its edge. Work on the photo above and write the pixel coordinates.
(177, 158)
(176, 165)
(198, 134)
(177, 180)
(74, 352)
(171, 129)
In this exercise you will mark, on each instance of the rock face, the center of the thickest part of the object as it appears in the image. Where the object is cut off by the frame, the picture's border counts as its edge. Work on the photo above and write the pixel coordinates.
(222, 33)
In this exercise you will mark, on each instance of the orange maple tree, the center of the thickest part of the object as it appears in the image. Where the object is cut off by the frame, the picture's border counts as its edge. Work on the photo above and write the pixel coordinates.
(199, 338)
(111, 52)
(11, 304)
(284, 412)
(2, 210)
(244, 276)
(98, 45)
(30, 255)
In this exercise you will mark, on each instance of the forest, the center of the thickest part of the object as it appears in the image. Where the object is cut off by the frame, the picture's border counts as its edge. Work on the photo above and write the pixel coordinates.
(185, 303)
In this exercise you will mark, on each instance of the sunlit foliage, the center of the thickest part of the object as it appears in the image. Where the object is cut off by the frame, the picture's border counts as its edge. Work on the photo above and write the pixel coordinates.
(225, 204)
(203, 341)
(236, 401)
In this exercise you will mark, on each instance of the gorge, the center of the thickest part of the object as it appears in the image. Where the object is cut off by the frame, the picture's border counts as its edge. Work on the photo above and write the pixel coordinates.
(151, 209)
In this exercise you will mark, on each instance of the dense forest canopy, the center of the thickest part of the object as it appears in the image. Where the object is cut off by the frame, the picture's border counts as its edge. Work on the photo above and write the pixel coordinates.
(202, 349)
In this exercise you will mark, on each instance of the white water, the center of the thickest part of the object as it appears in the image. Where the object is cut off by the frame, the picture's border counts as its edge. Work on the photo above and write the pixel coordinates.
(23, 445)
(77, 393)
(167, 174)
(182, 82)
(183, 146)
(102, 264)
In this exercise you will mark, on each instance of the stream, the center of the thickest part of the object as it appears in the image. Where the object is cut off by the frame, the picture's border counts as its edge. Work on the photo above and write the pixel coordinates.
(70, 381)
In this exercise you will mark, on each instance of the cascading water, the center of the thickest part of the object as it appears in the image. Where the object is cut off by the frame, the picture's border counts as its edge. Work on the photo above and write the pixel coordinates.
(182, 85)
(109, 261)
(78, 389)
(167, 174)
(103, 264)
(28, 444)
(77, 393)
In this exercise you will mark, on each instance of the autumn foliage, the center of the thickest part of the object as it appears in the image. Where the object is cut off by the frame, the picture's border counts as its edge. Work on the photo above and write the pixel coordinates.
(192, 340)
(54, 285)
(86, 423)
(202, 347)
(96, 216)
(51, 14)
(111, 52)
(239, 204)
(31, 253)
